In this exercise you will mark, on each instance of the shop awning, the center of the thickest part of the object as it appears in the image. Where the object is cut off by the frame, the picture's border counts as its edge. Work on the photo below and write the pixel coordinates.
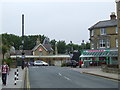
(33, 56)
(100, 53)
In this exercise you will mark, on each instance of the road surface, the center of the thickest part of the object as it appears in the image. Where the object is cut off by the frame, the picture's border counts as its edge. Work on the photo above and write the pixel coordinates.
(62, 77)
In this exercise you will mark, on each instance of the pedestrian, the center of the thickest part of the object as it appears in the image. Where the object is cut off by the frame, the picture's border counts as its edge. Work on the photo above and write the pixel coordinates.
(5, 72)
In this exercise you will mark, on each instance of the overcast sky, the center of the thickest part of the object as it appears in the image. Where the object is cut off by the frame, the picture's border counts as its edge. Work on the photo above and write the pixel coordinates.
(67, 20)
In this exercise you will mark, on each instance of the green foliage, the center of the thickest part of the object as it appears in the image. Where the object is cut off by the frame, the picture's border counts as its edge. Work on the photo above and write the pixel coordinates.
(30, 42)
(8, 61)
(61, 47)
(63, 65)
(4, 49)
(52, 42)
(16, 41)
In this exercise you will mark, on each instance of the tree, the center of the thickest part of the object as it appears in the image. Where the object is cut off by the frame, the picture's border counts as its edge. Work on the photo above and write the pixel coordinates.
(4, 50)
(52, 42)
(87, 45)
(61, 47)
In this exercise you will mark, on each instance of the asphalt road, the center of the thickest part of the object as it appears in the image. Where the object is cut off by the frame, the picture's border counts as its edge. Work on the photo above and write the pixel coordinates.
(61, 77)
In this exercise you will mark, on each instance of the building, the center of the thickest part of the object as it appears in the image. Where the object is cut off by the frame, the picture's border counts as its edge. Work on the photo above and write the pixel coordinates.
(43, 52)
(43, 49)
(104, 34)
(103, 42)
(118, 16)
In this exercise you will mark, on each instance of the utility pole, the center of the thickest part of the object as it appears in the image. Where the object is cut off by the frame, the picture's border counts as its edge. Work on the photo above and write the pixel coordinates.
(118, 25)
(23, 41)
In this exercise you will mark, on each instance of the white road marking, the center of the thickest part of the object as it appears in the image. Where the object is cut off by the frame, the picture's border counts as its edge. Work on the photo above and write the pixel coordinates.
(60, 74)
(19, 80)
(66, 78)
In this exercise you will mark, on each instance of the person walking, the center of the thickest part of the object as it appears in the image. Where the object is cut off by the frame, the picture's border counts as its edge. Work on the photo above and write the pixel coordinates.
(5, 72)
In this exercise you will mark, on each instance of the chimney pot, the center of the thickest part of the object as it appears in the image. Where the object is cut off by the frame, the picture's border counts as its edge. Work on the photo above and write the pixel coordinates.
(113, 16)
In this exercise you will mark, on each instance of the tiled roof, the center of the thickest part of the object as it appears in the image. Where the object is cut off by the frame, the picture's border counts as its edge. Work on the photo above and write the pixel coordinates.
(103, 24)
(47, 47)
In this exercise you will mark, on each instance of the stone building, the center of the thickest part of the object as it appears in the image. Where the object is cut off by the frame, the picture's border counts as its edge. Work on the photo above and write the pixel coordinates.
(104, 34)
(103, 42)
(43, 49)
(42, 52)
(118, 18)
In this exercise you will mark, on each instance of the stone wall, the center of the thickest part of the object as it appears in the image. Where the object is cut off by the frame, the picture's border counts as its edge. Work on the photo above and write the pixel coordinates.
(110, 70)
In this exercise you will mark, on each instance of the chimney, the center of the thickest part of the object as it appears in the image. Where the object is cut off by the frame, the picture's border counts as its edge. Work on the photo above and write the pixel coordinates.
(113, 16)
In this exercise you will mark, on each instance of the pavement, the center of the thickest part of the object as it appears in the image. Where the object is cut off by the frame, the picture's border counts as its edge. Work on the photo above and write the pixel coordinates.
(10, 79)
(97, 72)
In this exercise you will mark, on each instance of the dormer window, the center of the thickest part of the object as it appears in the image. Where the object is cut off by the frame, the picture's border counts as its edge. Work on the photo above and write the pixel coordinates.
(102, 31)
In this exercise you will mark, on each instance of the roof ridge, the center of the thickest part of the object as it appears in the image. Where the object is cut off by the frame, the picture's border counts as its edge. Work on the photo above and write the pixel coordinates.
(108, 20)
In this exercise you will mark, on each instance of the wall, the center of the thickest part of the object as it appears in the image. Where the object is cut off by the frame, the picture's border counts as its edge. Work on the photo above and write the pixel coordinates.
(109, 31)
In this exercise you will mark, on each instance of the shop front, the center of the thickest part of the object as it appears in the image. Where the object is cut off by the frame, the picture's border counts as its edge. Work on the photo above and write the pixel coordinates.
(99, 57)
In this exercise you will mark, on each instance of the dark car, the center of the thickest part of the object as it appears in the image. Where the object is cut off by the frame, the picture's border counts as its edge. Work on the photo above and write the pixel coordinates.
(72, 63)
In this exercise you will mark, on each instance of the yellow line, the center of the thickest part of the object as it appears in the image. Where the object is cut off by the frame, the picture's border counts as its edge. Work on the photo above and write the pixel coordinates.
(28, 82)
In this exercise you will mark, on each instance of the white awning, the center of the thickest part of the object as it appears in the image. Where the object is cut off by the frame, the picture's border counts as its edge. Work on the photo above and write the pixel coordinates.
(33, 56)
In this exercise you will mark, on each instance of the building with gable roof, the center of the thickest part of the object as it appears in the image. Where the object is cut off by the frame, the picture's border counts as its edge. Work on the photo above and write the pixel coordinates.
(103, 42)
(43, 49)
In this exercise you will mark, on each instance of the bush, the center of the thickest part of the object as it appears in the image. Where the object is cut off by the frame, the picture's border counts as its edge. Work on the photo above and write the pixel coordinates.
(8, 61)
(63, 65)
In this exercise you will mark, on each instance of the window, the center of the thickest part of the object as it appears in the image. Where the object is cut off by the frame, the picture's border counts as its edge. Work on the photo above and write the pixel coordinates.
(103, 31)
(92, 33)
(92, 46)
(116, 29)
(102, 43)
(108, 43)
(116, 42)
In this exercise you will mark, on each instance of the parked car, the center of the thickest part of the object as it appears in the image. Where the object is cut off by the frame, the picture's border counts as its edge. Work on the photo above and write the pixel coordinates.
(72, 63)
(40, 63)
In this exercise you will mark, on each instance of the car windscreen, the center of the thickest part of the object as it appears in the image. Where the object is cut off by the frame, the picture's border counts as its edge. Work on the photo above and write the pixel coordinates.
(38, 61)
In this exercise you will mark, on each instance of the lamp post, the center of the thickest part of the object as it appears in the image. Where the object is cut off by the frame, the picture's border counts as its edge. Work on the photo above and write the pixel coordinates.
(23, 41)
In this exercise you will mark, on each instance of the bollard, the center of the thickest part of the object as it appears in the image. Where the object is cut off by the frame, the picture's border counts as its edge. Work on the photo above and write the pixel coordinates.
(17, 73)
(15, 79)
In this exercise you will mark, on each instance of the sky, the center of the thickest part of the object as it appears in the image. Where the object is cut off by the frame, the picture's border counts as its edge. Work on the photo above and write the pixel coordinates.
(67, 20)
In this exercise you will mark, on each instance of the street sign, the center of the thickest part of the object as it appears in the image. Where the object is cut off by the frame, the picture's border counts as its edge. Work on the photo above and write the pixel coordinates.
(40, 49)
(23, 56)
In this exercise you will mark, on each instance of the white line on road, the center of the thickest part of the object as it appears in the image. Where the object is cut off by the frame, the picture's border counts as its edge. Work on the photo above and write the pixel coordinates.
(60, 74)
(66, 78)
